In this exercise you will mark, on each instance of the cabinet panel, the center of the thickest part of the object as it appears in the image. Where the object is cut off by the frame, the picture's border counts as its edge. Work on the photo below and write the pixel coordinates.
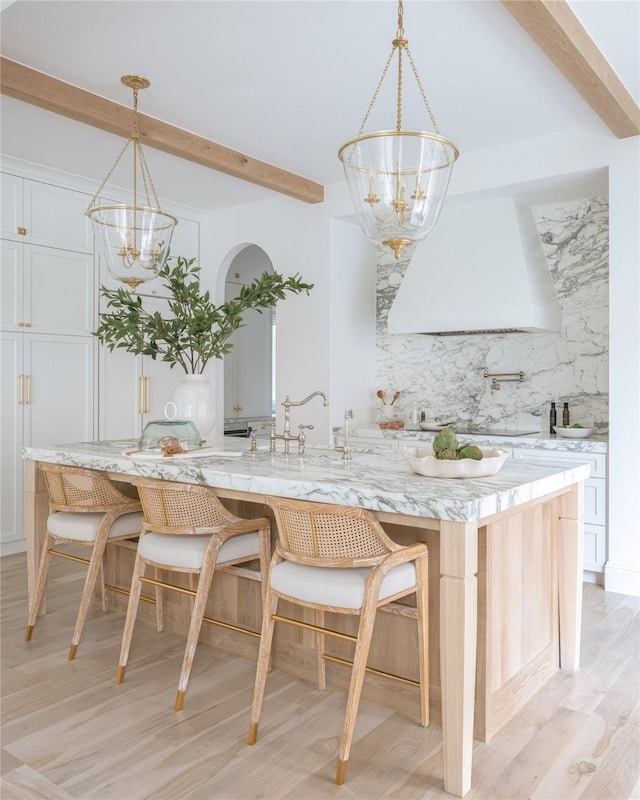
(55, 217)
(49, 215)
(595, 538)
(11, 468)
(59, 291)
(11, 203)
(596, 461)
(11, 285)
(60, 404)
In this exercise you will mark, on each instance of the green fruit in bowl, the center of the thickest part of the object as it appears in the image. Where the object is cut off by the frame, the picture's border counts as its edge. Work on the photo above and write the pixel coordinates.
(577, 425)
(470, 451)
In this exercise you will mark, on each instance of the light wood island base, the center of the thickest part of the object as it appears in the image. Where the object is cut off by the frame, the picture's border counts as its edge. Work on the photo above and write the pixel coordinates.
(504, 609)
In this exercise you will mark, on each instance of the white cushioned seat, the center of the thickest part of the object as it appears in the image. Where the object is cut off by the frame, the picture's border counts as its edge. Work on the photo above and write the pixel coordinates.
(333, 586)
(187, 551)
(82, 527)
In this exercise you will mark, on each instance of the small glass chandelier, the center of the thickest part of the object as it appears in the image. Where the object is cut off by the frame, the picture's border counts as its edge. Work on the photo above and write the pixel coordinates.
(398, 179)
(133, 239)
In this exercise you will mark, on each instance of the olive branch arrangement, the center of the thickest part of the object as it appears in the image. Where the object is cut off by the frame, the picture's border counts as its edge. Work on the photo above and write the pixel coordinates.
(196, 330)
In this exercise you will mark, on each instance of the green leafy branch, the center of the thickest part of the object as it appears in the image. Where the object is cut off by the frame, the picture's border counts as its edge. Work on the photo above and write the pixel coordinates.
(196, 330)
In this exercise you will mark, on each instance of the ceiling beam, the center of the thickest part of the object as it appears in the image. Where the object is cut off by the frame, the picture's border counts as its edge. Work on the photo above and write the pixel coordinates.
(46, 92)
(556, 30)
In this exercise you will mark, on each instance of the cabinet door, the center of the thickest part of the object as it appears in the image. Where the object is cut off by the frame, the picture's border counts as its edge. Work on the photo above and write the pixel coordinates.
(160, 382)
(55, 217)
(58, 291)
(59, 403)
(11, 412)
(11, 206)
(121, 398)
(11, 286)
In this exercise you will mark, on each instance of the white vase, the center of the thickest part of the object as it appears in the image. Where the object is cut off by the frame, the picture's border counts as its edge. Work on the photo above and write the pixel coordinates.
(194, 400)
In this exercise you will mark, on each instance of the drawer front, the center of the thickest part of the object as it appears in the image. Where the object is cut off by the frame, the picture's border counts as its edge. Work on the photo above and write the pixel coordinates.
(596, 461)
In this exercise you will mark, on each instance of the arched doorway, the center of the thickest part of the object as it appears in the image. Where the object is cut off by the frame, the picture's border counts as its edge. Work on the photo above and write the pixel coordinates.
(249, 367)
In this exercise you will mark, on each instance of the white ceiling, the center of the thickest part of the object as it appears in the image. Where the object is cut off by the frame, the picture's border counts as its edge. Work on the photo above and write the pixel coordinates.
(288, 81)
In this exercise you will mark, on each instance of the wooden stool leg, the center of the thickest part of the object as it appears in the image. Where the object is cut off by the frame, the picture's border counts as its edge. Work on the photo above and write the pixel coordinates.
(318, 617)
(159, 602)
(132, 610)
(365, 630)
(200, 601)
(265, 560)
(41, 583)
(264, 654)
(422, 604)
(103, 582)
(95, 567)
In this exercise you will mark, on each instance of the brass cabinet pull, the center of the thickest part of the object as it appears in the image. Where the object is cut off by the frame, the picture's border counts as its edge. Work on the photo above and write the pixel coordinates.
(21, 324)
(141, 395)
(22, 231)
(147, 407)
(27, 324)
(20, 390)
(28, 401)
(237, 409)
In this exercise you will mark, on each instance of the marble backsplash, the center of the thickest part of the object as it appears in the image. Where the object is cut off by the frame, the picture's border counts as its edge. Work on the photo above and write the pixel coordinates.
(443, 375)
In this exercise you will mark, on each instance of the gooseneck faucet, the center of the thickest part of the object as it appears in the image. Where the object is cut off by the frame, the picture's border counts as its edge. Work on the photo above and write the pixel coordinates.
(286, 435)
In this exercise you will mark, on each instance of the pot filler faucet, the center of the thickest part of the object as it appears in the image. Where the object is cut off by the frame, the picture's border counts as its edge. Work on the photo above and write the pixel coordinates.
(286, 436)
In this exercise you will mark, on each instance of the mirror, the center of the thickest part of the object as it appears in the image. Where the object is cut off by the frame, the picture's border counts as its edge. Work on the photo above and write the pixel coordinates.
(249, 367)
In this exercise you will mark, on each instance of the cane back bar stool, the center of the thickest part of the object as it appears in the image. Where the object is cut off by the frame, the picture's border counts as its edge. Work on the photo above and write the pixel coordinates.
(187, 529)
(87, 509)
(339, 559)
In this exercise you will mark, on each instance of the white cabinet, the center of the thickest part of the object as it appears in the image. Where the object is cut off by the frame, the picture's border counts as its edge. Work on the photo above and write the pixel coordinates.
(47, 313)
(133, 390)
(45, 289)
(47, 398)
(595, 499)
(34, 212)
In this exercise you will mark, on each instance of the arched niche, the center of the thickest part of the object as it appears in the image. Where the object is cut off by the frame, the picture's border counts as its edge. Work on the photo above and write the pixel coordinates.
(249, 367)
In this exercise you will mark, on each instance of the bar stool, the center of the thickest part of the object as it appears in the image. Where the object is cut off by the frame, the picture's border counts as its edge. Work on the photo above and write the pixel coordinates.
(339, 559)
(85, 508)
(187, 529)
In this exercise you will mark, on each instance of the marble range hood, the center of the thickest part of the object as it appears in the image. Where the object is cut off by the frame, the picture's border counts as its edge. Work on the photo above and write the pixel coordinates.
(481, 270)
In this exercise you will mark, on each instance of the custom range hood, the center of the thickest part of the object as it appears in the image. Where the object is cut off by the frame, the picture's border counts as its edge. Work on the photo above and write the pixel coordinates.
(482, 270)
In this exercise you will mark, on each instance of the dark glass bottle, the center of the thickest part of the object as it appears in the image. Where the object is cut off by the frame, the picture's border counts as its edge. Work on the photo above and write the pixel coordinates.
(565, 416)
(552, 419)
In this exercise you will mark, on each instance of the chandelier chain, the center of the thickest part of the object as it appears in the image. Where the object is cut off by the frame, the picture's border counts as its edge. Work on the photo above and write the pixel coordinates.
(399, 105)
(377, 91)
(400, 33)
(422, 91)
(146, 177)
(110, 173)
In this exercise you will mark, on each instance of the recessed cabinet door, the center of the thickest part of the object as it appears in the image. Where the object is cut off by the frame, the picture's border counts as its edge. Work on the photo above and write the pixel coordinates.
(59, 398)
(121, 394)
(11, 286)
(11, 412)
(59, 291)
(11, 206)
(55, 217)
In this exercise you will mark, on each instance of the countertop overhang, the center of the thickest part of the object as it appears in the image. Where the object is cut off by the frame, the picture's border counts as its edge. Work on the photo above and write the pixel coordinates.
(376, 481)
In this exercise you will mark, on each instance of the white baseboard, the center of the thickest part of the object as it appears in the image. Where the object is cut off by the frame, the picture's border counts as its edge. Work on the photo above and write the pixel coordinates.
(621, 579)
(9, 548)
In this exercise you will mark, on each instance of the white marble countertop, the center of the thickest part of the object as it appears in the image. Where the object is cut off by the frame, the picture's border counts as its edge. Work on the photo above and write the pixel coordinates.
(542, 441)
(379, 482)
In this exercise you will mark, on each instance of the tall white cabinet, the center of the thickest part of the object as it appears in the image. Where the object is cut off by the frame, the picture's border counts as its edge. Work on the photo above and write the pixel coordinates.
(47, 312)
(58, 383)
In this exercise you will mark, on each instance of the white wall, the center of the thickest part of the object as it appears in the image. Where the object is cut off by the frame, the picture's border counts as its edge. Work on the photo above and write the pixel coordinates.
(298, 237)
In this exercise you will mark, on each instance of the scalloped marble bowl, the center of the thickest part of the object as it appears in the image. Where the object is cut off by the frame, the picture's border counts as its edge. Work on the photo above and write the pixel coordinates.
(423, 462)
(573, 433)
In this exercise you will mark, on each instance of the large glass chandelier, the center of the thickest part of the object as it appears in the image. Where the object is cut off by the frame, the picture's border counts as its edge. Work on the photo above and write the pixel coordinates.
(133, 239)
(398, 179)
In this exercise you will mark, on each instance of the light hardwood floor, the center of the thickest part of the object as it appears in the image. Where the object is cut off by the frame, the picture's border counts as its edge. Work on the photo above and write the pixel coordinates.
(68, 731)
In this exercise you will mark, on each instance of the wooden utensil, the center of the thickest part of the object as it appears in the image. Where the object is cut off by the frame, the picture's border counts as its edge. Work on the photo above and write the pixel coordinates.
(396, 395)
(382, 395)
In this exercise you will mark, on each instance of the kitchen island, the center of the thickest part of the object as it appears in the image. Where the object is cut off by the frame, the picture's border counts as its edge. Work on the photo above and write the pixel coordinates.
(505, 571)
